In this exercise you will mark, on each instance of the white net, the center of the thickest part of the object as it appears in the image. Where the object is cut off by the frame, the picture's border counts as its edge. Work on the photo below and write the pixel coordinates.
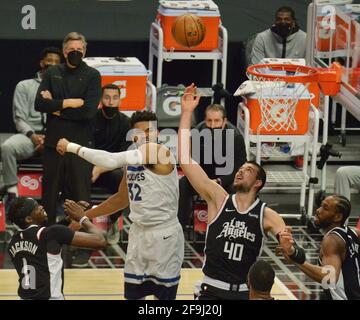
(278, 100)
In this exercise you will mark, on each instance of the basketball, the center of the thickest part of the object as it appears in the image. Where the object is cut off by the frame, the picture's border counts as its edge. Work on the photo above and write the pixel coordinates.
(188, 30)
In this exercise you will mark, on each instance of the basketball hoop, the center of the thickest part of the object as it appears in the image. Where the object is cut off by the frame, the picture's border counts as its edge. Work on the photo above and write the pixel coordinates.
(329, 79)
(279, 87)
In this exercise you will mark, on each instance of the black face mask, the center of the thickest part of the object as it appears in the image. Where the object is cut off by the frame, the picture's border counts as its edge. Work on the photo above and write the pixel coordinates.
(284, 29)
(46, 66)
(75, 58)
(110, 112)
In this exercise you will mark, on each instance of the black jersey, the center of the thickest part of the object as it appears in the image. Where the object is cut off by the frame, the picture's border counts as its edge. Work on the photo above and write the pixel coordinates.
(348, 285)
(234, 241)
(36, 255)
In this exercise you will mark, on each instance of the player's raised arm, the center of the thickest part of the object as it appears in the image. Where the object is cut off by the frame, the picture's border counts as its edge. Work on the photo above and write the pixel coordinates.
(332, 249)
(207, 188)
(148, 153)
(101, 158)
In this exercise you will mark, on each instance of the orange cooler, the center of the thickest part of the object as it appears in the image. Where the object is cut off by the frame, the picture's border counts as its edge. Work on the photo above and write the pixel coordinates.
(129, 74)
(207, 10)
(297, 126)
(338, 35)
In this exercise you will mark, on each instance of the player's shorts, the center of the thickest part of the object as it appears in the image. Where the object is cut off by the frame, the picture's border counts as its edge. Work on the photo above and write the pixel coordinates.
(153, 261)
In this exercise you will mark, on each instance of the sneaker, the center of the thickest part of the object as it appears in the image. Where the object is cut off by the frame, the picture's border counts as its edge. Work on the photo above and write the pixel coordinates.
(113, 234)
(299, 162)
(81, 259)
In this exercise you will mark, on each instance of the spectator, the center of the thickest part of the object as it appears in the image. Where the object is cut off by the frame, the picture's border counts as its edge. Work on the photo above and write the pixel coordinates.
(111, 129)
(215, 118)
(346, 178)
(29, 124)
(69, 93)
(283, 40)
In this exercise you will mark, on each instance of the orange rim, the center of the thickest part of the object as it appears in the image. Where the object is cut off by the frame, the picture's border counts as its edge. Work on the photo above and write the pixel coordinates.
(309, 74)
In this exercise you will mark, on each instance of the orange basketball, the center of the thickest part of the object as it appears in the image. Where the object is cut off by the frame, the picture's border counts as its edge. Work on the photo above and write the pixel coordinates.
(188, 30)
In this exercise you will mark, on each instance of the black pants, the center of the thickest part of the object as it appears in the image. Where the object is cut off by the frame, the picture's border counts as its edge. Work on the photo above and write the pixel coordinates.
(67, 174)
(110, 181)
(187, 192)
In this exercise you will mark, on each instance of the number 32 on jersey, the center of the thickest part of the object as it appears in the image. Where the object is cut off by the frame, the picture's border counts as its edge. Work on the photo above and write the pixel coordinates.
(134, 192)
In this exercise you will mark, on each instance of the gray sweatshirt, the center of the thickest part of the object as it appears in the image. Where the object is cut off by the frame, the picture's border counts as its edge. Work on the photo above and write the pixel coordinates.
(269, 45)
(24, 114)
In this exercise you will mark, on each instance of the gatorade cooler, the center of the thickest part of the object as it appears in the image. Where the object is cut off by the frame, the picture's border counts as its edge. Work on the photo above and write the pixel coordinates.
(207, 10)
(354, 78)
(278, 119)
(2, 217)
(332, 32)
(129, 74)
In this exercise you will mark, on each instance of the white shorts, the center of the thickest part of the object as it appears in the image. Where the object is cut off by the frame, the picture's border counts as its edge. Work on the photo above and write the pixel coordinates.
(153, 261)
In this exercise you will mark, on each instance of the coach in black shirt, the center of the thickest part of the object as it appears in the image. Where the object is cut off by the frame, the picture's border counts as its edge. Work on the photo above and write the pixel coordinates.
(70, 94)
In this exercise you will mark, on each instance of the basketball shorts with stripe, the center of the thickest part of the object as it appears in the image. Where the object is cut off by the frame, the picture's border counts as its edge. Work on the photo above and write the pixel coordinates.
(153, 261)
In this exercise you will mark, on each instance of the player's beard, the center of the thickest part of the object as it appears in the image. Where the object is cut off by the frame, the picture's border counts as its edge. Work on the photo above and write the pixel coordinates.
(242, 188)
(322, 224)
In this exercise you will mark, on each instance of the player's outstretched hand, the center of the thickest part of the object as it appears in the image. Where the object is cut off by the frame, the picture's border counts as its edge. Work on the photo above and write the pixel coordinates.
(189, 100)
(279, 251)
(74, 226)
(84, 204)
(73, 210)
(286, 241)
(61, 146)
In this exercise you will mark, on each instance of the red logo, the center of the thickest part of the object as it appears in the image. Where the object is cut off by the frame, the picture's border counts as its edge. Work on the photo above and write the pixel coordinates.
(202, 215)
(30, 184)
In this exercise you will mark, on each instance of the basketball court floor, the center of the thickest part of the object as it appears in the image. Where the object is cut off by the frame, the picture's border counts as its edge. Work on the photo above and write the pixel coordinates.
(107, 284)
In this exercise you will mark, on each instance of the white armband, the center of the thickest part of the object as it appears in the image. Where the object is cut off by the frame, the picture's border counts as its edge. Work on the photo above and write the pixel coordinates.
(81, 221)
(73, 147)
(110, 160)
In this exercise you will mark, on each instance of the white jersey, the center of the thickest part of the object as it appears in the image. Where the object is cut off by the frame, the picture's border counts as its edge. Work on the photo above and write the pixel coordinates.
(153, 197)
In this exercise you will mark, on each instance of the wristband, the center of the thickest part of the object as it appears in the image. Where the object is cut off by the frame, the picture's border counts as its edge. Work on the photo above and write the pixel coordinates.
(298, 256)
(73, 147)
(29, 133)
(81, 221)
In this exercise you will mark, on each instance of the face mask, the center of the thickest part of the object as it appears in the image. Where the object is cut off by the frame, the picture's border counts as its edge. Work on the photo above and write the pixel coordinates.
(46, 66)
(282, 29)
(110, 112)
(74, 58)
